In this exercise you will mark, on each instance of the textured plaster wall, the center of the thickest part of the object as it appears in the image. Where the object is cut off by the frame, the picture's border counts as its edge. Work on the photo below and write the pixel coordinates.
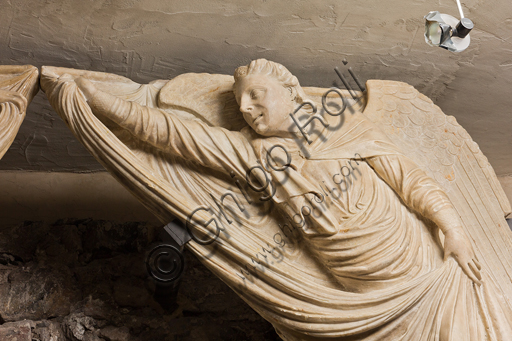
(153, 39)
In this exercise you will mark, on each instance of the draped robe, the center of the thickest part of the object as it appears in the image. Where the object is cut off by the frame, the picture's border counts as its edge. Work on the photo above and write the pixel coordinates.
(384, 244)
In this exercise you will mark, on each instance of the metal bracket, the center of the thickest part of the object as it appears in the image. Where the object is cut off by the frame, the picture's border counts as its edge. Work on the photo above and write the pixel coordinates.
(178, 232)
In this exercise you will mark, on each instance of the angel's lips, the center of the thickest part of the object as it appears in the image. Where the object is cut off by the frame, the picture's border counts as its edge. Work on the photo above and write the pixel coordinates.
(257, 118)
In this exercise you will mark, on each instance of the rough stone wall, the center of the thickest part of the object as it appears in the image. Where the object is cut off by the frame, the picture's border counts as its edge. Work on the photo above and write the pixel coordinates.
(86, 280)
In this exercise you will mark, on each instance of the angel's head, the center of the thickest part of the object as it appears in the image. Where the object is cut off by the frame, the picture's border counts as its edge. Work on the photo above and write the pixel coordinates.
(267, 93)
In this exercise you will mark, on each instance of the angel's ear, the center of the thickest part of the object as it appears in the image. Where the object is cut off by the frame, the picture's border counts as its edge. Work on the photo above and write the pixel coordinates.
(293, 93)
(298, 94)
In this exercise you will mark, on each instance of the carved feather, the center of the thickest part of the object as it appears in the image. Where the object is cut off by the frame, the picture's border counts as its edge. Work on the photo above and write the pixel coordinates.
(446, 152)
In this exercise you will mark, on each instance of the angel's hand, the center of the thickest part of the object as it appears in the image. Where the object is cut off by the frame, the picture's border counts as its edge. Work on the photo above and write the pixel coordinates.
(12, 96)
(106, 105)
(87, 87)
(458, 246)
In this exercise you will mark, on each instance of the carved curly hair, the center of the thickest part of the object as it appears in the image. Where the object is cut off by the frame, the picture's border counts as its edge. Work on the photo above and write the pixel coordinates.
(277, 71)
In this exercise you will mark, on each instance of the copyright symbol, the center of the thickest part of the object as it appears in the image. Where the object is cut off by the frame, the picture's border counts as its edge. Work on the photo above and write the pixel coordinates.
(165, 263)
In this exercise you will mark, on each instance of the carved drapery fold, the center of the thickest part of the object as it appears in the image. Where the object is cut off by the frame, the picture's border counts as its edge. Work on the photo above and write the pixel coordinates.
(435, 300)
(18, 85)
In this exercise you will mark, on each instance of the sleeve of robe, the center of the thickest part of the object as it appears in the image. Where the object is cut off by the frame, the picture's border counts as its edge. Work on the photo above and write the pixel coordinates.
(418, 191)
(212, 147)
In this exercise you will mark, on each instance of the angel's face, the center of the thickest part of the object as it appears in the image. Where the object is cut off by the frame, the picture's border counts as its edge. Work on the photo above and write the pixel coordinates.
(265, 104)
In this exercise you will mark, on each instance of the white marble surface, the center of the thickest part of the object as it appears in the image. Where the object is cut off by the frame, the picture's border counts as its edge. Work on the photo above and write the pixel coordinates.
(370, 261)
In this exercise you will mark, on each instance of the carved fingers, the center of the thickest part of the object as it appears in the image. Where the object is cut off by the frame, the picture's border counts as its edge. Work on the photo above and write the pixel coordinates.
(87, 87)
(471, 271)
(458, 246)
(475, 268)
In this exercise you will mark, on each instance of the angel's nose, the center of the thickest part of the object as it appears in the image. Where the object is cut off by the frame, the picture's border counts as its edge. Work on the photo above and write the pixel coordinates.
(246, 106)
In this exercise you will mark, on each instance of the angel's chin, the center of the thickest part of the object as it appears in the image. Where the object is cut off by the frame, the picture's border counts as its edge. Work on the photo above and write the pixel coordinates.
(261, 129)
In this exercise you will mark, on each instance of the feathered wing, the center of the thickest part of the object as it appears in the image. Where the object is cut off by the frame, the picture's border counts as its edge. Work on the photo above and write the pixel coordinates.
(441, 147)
(284, 284)
(22, 80)
(203, 97)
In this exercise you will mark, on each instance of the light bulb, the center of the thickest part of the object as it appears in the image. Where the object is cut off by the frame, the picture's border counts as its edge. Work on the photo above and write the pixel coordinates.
(447, 32)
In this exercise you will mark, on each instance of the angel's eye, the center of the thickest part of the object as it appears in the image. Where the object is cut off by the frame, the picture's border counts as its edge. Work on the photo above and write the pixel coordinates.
(256, 93)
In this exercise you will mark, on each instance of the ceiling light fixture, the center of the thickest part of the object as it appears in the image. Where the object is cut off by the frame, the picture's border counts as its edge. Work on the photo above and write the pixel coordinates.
(447, 32)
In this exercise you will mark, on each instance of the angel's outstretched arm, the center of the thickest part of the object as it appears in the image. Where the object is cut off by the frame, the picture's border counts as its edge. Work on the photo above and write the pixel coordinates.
(212, 147)
(425, 196)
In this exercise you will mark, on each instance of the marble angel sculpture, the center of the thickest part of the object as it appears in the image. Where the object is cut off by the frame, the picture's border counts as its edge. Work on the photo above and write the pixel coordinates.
(356, 214)
(18, 85)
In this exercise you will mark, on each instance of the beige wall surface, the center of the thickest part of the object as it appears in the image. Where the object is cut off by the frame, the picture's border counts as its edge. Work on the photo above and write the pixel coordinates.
(38, 196)
(153, 39)
(45, 196)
